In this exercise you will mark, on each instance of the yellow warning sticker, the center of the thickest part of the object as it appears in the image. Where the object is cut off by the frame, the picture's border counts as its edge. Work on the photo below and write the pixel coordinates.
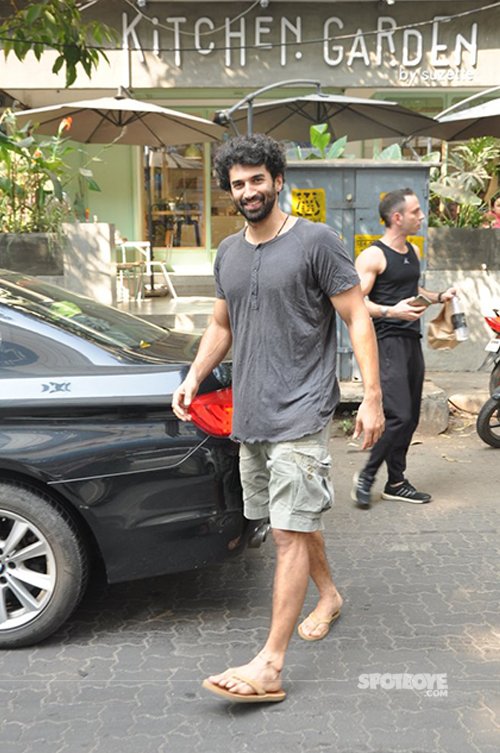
(309, 203)
(363, 241)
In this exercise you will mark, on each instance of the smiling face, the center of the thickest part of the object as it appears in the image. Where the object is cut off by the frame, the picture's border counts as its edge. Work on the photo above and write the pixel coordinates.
(495, 207)
(254, 191)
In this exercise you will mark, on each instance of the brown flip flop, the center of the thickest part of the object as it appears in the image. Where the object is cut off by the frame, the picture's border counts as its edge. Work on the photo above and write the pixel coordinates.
(312, 617)
(259, 696)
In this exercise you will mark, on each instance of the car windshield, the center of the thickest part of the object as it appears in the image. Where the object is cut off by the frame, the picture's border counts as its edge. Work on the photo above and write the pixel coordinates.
(79, 315)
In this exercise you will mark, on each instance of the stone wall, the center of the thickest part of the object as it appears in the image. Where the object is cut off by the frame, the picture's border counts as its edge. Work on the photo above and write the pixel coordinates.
(32, 253)
(470, 260)
(90, 261)
(83, 262)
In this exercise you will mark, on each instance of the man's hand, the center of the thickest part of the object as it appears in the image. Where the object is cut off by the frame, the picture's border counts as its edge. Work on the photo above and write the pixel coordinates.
(183, 397)
(214, 345)
(370, 422)
(404, 310)
(447, 295)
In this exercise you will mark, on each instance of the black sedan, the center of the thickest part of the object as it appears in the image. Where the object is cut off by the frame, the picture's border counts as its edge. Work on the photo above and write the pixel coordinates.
(93, 462)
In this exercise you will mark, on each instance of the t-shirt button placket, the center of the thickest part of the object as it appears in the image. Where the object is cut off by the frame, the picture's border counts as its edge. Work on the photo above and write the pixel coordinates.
(254, 280)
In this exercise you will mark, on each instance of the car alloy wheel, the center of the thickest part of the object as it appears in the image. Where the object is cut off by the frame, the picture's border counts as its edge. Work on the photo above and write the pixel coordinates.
(43, 565)
(27, 571)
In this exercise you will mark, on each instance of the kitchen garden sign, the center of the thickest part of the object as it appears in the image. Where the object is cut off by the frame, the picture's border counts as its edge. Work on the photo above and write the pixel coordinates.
(418, 44)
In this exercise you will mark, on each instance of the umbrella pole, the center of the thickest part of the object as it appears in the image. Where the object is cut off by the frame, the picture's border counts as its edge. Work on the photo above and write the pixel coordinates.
(149, 213)
(225, 116)
(250, 118)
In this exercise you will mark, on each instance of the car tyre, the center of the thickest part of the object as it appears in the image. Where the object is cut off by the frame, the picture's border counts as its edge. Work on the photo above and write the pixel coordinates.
(488, 422)
(43, 565)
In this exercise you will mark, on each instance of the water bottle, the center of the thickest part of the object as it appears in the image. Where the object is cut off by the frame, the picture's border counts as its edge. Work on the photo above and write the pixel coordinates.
(458, 319)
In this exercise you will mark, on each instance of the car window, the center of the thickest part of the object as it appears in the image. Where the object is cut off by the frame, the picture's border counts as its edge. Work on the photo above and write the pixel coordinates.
(79, 315)
(30, 346)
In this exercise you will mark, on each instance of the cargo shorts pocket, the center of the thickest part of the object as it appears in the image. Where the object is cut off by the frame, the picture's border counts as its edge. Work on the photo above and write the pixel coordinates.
(314, 493)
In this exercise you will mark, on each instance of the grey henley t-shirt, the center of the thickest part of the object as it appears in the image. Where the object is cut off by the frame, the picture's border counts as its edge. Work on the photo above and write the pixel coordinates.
(284, 329)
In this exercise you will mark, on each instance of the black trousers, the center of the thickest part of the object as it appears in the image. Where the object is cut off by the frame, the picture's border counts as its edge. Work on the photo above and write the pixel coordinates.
(402, 378)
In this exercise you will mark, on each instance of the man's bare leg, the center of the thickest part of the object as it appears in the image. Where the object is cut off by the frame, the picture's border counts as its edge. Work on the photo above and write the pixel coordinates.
(290, 584)
(330, 601)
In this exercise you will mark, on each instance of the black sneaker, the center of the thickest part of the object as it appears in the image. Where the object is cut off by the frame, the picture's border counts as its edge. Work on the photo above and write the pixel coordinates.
(406, 493)
(361, 491)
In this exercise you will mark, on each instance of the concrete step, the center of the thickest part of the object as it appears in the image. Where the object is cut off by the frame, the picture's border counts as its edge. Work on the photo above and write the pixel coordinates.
(434, 414)
(469, 402)
(187, 313)
(193, 285)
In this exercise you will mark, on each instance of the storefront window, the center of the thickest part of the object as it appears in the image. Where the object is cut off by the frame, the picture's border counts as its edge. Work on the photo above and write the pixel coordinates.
(179, 204)
(177, 196)
(225, 219)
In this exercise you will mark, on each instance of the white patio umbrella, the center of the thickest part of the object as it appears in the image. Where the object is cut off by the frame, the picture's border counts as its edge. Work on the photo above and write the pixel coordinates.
(123, 120)
(356, 117)
(172, 159)
(473, 122)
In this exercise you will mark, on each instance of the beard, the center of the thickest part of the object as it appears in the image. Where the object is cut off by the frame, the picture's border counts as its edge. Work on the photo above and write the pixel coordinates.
(267, 202)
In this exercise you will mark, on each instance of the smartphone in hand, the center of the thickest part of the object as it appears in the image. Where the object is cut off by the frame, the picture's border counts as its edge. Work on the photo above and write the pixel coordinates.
(420, 300)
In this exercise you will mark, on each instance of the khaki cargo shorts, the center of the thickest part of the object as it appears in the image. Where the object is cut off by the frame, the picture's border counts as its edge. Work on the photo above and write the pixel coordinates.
(288, 482)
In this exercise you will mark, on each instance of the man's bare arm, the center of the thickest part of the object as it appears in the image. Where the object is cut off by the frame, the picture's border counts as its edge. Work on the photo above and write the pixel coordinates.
(214, 345)
(440, 297)
(369, 265)
(351, 307)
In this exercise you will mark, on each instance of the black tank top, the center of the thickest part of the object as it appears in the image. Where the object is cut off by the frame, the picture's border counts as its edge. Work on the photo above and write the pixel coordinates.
(399, 280)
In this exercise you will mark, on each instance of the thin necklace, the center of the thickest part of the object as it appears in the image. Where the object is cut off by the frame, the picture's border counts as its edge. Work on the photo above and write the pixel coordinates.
(274, 236)
(282, 226)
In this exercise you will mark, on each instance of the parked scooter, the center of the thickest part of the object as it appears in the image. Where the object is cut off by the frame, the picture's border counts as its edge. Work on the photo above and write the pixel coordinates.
(488, 420)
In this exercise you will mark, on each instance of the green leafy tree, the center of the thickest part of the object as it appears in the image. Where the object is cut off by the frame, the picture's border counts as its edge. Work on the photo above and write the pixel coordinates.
(55, 25)
(457, 198)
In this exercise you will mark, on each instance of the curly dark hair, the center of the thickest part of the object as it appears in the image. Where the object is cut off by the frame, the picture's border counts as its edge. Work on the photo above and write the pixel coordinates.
(257, 149)
(393, 201)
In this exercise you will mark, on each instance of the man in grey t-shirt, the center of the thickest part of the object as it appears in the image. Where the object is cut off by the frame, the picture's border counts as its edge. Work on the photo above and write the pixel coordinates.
(279, 282)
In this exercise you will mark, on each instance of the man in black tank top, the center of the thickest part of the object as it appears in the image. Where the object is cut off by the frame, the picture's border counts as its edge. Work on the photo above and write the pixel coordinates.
(390, 273)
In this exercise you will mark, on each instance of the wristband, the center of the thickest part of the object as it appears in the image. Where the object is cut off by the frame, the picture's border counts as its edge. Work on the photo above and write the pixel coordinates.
(384, 310)
(440, 297)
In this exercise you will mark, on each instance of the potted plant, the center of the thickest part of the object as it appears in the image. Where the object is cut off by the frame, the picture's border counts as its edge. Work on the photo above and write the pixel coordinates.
(321, 146)
(33, 200)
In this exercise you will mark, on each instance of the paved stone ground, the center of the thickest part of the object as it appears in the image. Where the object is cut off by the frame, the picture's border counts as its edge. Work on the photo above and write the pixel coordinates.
(421, 596)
